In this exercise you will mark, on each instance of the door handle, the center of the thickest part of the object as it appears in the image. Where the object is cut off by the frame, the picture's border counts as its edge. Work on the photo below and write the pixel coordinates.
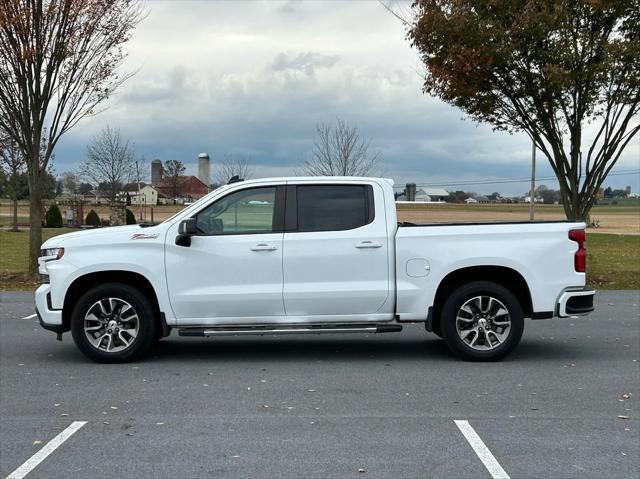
(368, 244)
(263, 247)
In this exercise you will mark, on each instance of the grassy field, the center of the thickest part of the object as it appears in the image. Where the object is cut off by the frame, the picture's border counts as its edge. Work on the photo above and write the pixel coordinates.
(609, 218)
(14, 257)
(613, 260)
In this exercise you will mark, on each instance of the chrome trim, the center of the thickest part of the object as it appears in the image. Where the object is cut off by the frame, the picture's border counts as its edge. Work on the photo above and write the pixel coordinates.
(243, 332)
(566, 296)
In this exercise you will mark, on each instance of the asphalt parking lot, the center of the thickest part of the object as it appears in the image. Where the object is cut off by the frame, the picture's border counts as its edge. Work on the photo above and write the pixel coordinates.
(565, 404)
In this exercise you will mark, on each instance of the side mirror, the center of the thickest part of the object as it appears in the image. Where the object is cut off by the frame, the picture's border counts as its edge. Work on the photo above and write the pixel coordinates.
(186, 229)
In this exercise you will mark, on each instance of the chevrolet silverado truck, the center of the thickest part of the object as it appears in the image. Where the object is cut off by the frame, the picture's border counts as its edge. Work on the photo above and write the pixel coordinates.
(308, 255)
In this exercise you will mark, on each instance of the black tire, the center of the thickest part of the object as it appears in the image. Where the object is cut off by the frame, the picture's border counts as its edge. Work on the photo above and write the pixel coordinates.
(437, 331)
(146, 333)
(469, 292)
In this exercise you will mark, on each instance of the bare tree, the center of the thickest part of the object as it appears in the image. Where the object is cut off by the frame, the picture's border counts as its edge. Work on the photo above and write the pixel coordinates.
(12, 163)
(110, 164)
(59, 61)
(339, 151)
(230, 166)
(69, 182)
(174, 177)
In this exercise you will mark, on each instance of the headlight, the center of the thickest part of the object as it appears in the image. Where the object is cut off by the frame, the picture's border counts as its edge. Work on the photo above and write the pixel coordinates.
(51, 254)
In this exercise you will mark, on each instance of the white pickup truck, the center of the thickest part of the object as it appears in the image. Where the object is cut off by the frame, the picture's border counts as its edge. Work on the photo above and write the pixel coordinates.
(308, 255)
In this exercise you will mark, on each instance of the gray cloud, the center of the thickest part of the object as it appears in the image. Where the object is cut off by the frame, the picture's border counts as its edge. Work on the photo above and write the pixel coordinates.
(306, 63)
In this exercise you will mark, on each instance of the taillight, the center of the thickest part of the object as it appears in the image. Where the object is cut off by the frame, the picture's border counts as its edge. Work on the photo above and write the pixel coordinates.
(580, 258)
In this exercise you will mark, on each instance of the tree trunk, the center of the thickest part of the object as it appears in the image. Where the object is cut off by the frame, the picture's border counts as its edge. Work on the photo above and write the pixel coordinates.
(35, 221)
(14, 221)
(573, 204)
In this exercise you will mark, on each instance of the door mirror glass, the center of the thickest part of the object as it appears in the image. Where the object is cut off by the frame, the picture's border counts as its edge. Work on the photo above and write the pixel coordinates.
(187, 227)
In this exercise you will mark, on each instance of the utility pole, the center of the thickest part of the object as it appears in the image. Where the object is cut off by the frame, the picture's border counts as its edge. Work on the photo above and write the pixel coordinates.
(139, 198)
(532, 193)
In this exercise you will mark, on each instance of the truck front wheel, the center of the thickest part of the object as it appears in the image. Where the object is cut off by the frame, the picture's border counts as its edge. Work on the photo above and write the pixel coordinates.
(482, 321)
(113, 323)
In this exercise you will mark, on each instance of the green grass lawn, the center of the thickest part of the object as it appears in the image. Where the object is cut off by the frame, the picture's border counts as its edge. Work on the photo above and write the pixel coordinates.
(613, 261)
(7, 220)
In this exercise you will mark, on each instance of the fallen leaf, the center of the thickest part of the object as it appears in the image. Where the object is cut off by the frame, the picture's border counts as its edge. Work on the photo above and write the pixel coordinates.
(64, 414)
(361, 471)
(311, 390)
(106, 422)
(625, 396)
(37, 442)
(623, 417)
(114, 407)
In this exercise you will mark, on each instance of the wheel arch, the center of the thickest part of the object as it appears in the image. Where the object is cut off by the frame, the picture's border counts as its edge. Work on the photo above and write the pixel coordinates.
(84, 283)
(506, 277)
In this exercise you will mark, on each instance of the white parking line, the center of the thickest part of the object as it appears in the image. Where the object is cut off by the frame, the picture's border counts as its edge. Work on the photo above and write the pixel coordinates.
(42, 454)
(481, 450)
(29, 317)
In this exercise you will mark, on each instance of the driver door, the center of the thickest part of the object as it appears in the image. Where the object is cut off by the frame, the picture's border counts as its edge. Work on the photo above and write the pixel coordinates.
(232, 271)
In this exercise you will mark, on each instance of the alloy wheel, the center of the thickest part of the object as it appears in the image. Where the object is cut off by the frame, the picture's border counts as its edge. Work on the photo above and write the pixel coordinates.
(111, 325)
(483, 323)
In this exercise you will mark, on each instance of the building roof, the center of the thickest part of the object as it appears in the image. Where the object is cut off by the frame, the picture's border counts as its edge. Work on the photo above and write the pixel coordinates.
(134, 186)
(190, 186)
(435, 192)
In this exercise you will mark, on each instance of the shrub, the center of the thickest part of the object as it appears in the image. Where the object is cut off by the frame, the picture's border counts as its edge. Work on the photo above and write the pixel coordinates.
(92, 219)
(131, 218)
(53, 217)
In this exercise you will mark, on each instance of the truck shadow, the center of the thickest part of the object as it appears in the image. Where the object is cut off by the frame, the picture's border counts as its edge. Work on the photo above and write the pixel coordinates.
(337, 349)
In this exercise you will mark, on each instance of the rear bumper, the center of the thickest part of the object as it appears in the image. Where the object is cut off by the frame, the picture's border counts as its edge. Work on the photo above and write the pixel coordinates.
(575, 302)
(49, 318)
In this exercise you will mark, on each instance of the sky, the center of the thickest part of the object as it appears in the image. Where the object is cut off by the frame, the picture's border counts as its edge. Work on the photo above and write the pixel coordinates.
(254, 78)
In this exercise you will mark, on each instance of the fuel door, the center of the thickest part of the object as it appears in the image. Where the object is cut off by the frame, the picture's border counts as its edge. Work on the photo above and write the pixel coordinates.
(418, 267)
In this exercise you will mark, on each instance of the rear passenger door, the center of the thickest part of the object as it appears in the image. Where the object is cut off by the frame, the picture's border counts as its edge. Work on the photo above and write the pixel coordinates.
(335, 251)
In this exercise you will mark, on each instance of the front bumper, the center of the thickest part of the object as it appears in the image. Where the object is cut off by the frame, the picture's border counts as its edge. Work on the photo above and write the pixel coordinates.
(49, 318)
(575, 302)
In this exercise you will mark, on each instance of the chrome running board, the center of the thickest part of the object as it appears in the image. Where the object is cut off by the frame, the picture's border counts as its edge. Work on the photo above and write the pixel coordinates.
(290, 329)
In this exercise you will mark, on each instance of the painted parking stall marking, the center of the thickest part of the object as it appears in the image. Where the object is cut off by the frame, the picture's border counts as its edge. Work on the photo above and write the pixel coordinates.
(481, 450)
(43, 453)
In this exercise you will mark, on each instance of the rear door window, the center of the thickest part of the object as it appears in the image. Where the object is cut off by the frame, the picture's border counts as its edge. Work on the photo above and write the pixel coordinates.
(333, 207)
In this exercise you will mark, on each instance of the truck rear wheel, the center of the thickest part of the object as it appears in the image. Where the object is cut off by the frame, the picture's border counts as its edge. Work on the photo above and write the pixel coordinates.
(482, 321)
(113, 323)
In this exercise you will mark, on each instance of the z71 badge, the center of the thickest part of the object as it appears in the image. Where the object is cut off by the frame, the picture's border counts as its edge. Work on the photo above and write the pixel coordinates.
(138, 236)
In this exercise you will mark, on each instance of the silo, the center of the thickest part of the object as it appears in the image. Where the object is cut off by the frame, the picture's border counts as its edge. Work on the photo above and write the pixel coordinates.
(156, 171)
(410, 192)
(203, 168)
